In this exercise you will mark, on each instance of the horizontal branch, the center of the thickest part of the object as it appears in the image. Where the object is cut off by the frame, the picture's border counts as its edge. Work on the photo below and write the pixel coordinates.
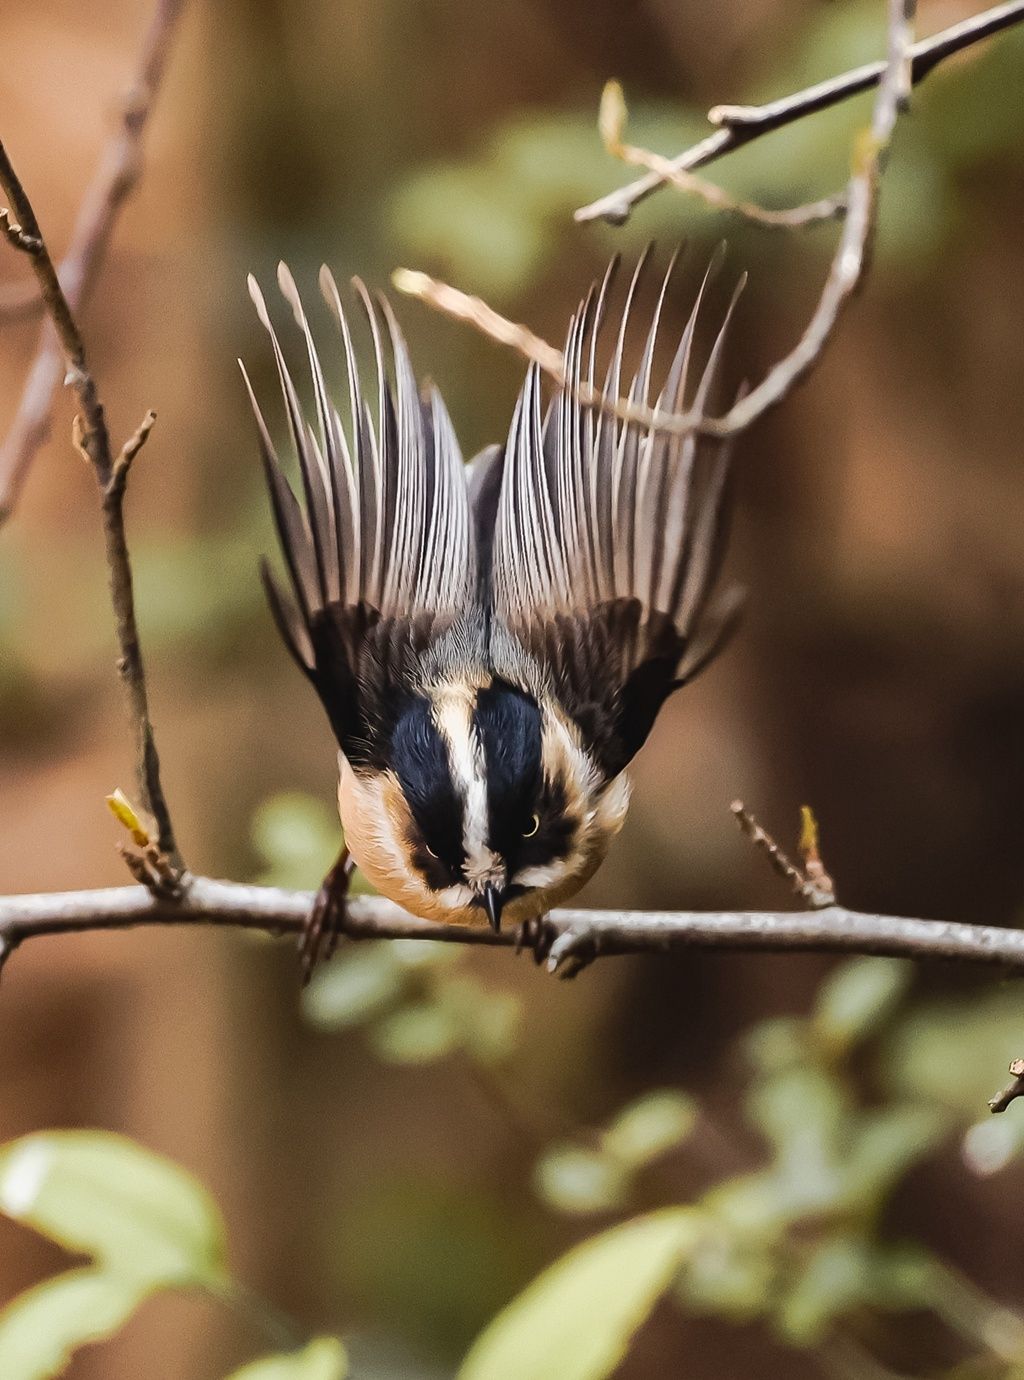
(568, 939)
(740, 125)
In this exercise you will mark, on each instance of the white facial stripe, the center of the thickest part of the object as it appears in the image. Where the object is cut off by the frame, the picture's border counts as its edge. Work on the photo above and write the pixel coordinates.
(541, 877)
(453, 717)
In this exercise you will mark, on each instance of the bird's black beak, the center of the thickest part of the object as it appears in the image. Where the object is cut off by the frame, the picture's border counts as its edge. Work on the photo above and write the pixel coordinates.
(493, 902)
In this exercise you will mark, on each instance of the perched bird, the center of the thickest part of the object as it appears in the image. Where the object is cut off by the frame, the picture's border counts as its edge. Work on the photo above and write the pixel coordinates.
(492, 643)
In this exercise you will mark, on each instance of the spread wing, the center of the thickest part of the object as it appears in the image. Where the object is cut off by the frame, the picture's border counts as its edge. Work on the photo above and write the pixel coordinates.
(609, 536)
(381, 554)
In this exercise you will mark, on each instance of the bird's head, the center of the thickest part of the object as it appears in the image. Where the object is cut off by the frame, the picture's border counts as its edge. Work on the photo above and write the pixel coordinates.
(488, 806)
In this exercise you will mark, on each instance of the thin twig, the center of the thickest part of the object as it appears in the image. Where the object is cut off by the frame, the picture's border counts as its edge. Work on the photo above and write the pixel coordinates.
(816, 890)
(475, 312)
(93, 438)
(116, 175)
(740, 124)
(848, 267)
(462, 306)
(612, 124)
(1013, 1090)
(853, 252)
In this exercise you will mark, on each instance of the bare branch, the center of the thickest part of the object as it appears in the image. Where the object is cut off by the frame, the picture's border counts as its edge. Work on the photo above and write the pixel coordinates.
(483, 318)
(115, 177)
(1013, 1089)
(93, 438)
(852, 254)
(612, 124)
(740, 124)
(611, 932)
(815, 887)
(845, 275)
(476, 312)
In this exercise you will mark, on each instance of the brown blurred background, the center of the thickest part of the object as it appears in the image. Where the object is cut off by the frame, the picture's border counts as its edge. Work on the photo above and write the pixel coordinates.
(879, 674)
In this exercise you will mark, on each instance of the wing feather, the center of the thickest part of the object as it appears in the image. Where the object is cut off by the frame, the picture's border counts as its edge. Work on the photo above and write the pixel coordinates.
(609, 534)
(380, 555)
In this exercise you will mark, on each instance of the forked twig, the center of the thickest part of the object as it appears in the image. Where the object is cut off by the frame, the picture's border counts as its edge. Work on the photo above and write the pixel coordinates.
(116, 175)
(92, 436)
(738, 125)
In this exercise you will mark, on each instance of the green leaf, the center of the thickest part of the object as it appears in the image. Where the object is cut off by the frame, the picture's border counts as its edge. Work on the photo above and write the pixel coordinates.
(297, 836)
(416, 1034)
(857, 997)
(488, 1021)
(42, 1327)
(576, 1180)
(358, 984)
(777, 1044)
(323, 1359)
(803, 1112)
(923, 1061)
(731, 1278)
(834, 1280)
(134, 1212)
(650, 1126)
(575, 1321)
(888, 1142)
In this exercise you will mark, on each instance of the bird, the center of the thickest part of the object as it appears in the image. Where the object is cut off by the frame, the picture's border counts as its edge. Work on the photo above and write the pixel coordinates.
(492, 642)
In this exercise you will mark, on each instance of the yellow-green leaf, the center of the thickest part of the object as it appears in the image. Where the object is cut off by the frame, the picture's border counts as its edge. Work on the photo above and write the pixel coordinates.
(323, 1359)
(575, 1321)
(574, 1179)
(134, 1212)
(651, 1126)
(41, 1328)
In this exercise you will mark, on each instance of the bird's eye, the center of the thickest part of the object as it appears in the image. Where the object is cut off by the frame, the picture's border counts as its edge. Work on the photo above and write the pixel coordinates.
(534, 826)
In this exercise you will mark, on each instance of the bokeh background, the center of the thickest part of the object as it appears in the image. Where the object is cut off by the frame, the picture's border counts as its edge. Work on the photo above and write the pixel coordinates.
(380, 1179)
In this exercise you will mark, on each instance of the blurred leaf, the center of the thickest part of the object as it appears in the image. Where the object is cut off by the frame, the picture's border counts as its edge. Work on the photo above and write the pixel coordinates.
(135, 1212)
(992, 1144)
(416, 1034)
(802, 1112)
(834, 1280)
(886, 1144)
(652, 1125)
(857, 997)
(357, 984)
(575, 1321)
(730, 1278)
(576, 1180)
(424, 953)
(488, 1021)
(755, 1206)
(200, 583)
(947, 1052)
(777, 1044)
(323, 1358)
(42, 1327)
(489, 220)
(297, 836)
(903, 1277)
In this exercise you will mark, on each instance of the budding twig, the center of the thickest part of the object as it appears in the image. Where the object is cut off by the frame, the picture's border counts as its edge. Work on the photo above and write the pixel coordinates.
(1013, 1090)
(91, 435)
(611, 123)
(737, 125)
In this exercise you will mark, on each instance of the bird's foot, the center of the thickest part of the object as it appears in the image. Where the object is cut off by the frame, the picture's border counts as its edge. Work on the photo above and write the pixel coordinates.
(565, 951)
(326, 920)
